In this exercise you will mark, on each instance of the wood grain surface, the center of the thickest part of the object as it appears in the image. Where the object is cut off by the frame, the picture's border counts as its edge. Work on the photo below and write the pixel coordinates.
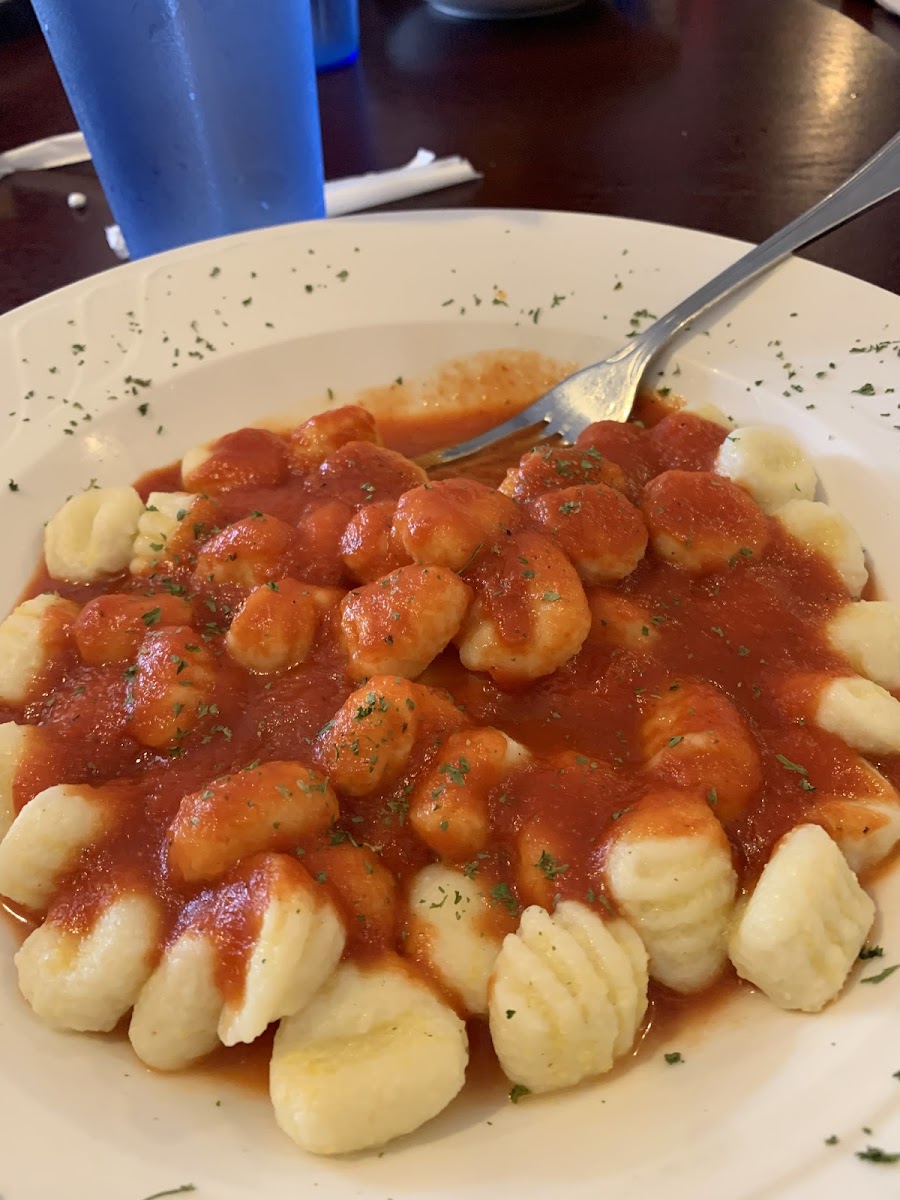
(725, 115)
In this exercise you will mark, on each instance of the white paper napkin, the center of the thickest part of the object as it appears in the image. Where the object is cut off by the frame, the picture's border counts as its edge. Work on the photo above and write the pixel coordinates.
(423, 173)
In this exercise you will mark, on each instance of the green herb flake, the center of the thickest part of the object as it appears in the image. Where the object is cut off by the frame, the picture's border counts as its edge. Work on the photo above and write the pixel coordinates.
(882, 975)
(550, 865)
(13, 486)
(875, 1154)
(790, 766)
(673, 1057)
(867, 389)
(871, 952)
(517, 1091)
(176, 1191)
(551, 597)
(152, 617)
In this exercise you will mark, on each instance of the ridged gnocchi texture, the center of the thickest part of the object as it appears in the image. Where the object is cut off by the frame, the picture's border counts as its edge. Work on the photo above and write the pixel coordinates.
(375, 1055)
(398, 624)
(768, 464)
(822, 529)
(452, 933)
(30, 638)
(449, 806)
(802, 928)
(861, 713)
(867, 633)
(15, 743)
(92, 535)
(87, 981)
(296, 948)
(47, 838)
(544, 626)
(567, 996)
(158, 527)
(669, 870)
(176, 1017)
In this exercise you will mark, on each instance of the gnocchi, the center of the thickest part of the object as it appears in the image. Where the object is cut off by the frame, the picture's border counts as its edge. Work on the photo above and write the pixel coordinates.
(239, 795)
(567, 996)
(398, 624)
(160, 530)
(545, 622)
(31, 637)
(798, 935)
(453, 934)
(87, 980)
(375, 1055)
(867, 633)
(769, 465)
(669, 869)
(46, 840)
(820, 528)
(93, 534)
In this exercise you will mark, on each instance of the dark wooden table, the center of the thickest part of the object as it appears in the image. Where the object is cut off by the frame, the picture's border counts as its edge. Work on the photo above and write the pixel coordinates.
(725, 115)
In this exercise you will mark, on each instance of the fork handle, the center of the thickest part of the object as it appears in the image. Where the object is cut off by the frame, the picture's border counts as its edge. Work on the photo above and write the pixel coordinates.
(874, 181)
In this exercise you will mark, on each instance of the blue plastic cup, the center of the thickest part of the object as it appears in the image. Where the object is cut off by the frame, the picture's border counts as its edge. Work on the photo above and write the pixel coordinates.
(201, 115)
(335, 32)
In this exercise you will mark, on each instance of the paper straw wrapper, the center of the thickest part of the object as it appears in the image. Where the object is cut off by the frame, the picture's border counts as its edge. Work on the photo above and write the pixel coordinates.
(423, 173)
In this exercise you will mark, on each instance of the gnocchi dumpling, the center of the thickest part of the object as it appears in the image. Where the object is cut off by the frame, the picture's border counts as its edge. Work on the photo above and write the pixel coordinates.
(398, 624)
(542, 622)
(370, 738)
(866, 825)
(298, 944)
(249, 553)
(447, 522)
(159, 530)
(453, 933)
(269, 806)
(368, 546)
(702, 522)
(88, 980)
(449, 807)
(598, 529)
(822, 529)
(110, 629)
(176, 1017)
(862, 714)
(802, 928)
(669, 870)
(246, 457)
(30, 639)
(867, 633)
(567, 996)
(621, 623)
(768, 464)
(375, 1055)
(15, 744)
(93, 534)
(47, 838)
(173, 686)
(693, 737)
(321, 435)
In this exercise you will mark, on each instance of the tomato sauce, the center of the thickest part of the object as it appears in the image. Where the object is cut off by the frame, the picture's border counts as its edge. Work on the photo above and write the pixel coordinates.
(744, 629)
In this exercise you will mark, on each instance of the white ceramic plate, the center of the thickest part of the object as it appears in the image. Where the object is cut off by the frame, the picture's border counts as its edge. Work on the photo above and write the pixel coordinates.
(232, 331)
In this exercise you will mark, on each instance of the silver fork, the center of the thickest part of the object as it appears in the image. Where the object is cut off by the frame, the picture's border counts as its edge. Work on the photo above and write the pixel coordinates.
(606, 390)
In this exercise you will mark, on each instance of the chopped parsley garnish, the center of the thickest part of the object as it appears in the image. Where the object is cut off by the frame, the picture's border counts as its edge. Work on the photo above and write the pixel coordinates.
(152, 617)
(871, 952)
(673, 1057)
(551, 597)
(882, 975)
(501, 893)
(867, 389)
(517, 1091)
(550, 865)
(875, 1154)
(790, 766)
